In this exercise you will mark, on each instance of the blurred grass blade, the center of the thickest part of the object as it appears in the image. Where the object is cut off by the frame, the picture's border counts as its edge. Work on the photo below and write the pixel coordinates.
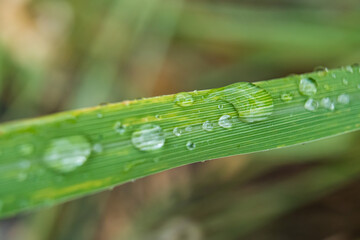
(56, 158)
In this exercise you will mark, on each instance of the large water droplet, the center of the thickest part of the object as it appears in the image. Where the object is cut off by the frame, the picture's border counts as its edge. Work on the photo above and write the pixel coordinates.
(343, 98)
(311, 105)
(251, 102)
(327, 104)
(148, 137)
(184, 99)
(190, 145)
(225, 121)
(177, 132)
(208, 126)
(307, 86)
(119, 128)
(67, 154)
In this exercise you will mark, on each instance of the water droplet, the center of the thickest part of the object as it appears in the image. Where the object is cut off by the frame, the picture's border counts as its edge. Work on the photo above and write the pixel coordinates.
(333, 75)
(67, 154)
(307, 86)
(184, 99)
(311, 105)
(148, 137)
(251, 102)
(99, 115)
(349, 69)
(120, 128)
(157, 116)
(286, 97)
(26, 149)
(220, 106)
(321, 70)
(177, 132)
(188, 128)
(343, 98)
(98, 148)
(225, 122)
(345, 81)
(190, 145)
(208, 126)
(358, 86)
(327, 104)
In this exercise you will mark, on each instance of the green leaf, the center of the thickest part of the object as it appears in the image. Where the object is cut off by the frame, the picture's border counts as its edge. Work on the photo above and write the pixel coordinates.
(55, 158)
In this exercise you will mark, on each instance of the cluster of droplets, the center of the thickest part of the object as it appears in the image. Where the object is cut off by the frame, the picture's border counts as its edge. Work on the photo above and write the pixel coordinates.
(308, 87)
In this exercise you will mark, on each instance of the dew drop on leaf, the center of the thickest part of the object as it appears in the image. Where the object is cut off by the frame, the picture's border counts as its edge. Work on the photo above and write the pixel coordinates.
(67, 154)
(148, 137)
(119, 128)
(311, 105)
(225, 122)
(184, 99)
(343, 99)
(251, 102)
(208, 126)
(307, 86)
(177, 132)
(98, 148)
(327, 104)
(286, 97)
(190, 145)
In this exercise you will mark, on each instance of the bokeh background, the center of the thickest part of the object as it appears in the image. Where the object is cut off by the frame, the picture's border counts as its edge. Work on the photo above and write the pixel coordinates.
(60, 55)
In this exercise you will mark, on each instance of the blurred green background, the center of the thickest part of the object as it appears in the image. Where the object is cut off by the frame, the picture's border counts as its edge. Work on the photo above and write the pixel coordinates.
(60, 55)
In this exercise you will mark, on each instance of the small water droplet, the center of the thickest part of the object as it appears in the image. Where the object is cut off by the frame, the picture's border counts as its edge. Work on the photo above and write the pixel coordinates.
(345, 81)
(98, 148)
(311, 105)
(286, 97)
(184, 99)
(119, 128)
(188, 128)
(148, 137)
(349, 69)
(177, 132)
(343, 98)
(358, 86)
(307, 86)
(208, 126)
(220, 106)
(327, 104)
(252, 103)
(225, 122)
(190, 145)
(333, 75)
(26, 149)
(157, 116)
(67, 154)
(321, 70)
(99, 115)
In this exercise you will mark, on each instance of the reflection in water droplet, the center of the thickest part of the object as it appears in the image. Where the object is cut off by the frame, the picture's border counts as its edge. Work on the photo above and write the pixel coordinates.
(177, 132)
(327, 104)
(148, 137)
(343, 98)
(190, 145)
(225, 122)
(184, 99)
(308, 86)
(208, 126)
(67, 154)
(311, 105)
(286, 97)
(250, 101)
(119, 128)
(98, 148)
